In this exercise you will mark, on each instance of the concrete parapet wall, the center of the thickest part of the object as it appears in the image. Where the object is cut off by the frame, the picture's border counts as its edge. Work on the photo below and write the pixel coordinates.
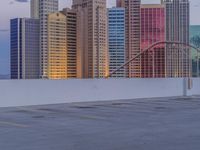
(39, 92)
(195, 87)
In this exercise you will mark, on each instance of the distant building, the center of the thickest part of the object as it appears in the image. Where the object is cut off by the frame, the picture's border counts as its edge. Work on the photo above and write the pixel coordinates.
(132, 16)
(195, 40)
(92, 38)
(152, 31)
(116, 40)
(35, 9)
(71, 34)
(57, 47)
(41, 9)
(194, 30)
(119, 3)
(195, 35)
(177, 29)
(24, 48)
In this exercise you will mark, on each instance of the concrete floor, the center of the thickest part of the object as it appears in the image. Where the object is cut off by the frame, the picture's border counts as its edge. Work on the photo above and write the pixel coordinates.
(145, 124)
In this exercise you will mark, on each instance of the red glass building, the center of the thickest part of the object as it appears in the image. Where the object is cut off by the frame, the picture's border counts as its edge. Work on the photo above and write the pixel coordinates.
(152, 30)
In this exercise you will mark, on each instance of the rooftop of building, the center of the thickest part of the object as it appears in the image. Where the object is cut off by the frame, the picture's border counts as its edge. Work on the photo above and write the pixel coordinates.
(152, 6)
(142, 124)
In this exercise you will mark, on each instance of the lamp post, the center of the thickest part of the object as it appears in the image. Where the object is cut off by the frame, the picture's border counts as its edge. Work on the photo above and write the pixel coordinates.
(149, 48)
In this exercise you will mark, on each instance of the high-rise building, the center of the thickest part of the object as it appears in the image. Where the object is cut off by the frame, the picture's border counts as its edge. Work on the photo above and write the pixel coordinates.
(45, 7)
(57, 50)
(24, 48)
(177, 29)
(34, 9)
(116, 40)
(118, 3)
(92, 44)
(152, 31)
(194, 40)
(132, 15)
(71, 27)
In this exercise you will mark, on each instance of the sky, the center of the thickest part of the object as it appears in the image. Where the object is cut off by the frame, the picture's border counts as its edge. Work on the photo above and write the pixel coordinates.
(20, 8)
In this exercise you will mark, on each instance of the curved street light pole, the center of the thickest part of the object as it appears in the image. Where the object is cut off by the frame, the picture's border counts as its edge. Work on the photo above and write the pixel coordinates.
(150, 47)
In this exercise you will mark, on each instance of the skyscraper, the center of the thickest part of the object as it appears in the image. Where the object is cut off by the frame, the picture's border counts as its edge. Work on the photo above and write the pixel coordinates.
(132, 15)
(57, 50)
(118, 3)
(116, 40)
(24, 48)
(34, 9)
(92, 45)
(177, 29)
(71, 27)
(152, 31)
(45, 7)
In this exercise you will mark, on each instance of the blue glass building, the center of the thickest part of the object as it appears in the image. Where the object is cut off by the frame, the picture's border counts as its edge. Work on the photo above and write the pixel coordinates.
(24, 48)
(116, 39)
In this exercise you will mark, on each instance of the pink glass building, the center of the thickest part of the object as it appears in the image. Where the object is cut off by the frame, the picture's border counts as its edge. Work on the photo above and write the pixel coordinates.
(152, 30)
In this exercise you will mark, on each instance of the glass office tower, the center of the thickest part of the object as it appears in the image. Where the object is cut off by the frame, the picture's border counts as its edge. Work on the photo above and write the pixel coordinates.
(152, 31)
(24, 48)
(116, 40)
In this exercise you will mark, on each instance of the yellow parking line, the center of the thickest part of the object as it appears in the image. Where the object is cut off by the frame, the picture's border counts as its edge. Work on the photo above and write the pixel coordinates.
(13, 124)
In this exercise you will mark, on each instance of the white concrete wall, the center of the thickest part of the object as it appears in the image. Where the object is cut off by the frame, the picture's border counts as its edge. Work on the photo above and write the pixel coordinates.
(37, 92)
(195, 87)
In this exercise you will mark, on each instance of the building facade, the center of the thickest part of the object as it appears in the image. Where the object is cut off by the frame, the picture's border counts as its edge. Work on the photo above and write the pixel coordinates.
(92, 37)
(132, 25)
(24, 48)
(152, 31)
(34, 9)
(195, 40)
(57, 47)
(116, 40)
(45, 7)
(177, 29)
(71, 31)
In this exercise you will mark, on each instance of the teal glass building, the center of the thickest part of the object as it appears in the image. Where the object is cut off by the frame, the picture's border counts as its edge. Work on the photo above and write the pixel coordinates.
(195, 40)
